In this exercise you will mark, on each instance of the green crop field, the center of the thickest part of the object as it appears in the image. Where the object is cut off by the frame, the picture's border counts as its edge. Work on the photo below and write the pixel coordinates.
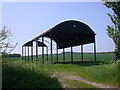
(106, 57)
(23, 74)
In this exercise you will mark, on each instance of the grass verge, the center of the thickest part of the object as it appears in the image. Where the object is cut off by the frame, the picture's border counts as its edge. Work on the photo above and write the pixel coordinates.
(19, 74)
(107, 73)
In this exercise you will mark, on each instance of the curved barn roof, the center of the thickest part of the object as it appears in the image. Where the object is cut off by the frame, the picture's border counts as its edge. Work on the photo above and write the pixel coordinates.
(30, 43)
(70, 33)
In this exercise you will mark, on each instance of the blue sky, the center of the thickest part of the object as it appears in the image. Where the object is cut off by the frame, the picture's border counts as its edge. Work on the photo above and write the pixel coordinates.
(29, 19)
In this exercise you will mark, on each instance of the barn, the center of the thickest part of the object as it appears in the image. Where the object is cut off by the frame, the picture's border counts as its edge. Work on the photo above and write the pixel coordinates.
(66, 34)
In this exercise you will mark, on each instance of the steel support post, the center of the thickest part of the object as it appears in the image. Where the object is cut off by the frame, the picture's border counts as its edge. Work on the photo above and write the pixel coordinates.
(43, 50)
(94, 51)
(22, 52)
(71, 54)
(51, 50)
(57, 54)
(32, 52)
(36, 50)
(25, 53)
(28, 53)
(47, 52)
(63, 55)
(82, 52)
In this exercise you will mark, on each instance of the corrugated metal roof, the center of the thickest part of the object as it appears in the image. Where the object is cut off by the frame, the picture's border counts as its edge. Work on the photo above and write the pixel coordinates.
(70, 33)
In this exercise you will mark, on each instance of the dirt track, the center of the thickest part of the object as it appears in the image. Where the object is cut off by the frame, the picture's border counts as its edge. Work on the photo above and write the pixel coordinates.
(62, 78)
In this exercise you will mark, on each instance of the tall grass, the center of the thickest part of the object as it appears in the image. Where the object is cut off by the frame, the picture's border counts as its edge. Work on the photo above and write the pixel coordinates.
(106, 73)
(19, 74)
